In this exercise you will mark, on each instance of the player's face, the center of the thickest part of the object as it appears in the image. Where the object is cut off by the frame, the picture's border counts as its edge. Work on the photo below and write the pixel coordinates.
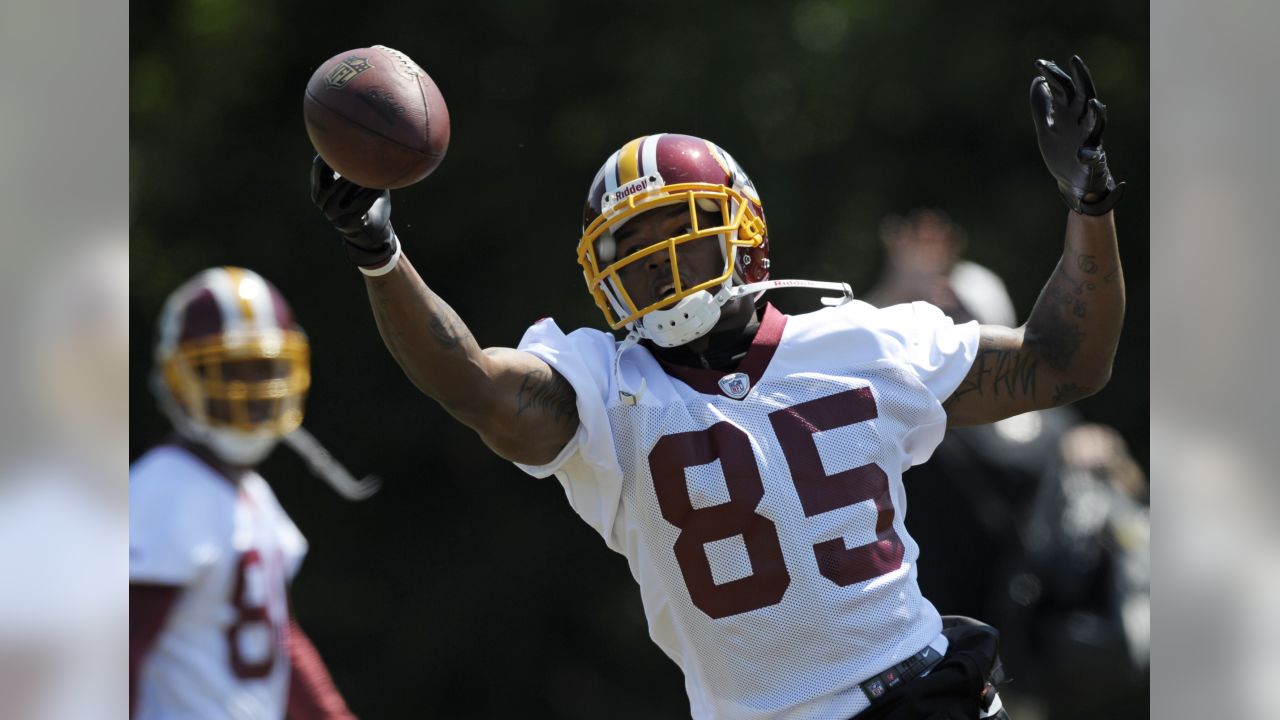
(248, 371)
(651, 279)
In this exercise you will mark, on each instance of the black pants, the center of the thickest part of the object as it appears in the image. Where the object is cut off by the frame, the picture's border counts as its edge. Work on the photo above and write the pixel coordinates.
(957, 687)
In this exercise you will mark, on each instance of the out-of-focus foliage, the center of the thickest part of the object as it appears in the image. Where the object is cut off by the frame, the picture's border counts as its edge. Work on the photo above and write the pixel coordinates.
(466, 589)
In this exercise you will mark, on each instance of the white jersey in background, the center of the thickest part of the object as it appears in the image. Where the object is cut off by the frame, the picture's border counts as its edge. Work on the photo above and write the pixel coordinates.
(761, 511)
(232, 549)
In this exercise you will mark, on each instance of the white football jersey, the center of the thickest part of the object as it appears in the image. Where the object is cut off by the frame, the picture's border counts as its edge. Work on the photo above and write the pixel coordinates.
(230, 546)
(766, 533)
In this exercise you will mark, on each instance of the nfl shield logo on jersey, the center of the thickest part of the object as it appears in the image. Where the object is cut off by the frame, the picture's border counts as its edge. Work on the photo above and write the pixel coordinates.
(736, 385)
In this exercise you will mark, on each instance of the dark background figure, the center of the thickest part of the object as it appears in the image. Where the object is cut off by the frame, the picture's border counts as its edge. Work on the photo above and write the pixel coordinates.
(1037, 523)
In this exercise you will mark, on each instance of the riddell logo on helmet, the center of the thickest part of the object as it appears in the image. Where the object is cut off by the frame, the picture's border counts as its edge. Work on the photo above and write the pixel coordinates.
(643, 184)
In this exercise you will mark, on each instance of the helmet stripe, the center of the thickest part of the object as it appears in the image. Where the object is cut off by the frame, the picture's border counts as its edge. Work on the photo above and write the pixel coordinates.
(649, 154)
(611, 175)
(629, 161)
(254, 289)
(241, 292)
(220, 283)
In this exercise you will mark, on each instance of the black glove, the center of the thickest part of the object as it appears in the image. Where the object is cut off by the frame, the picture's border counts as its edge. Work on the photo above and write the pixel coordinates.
(361, 215)
(1069, 122)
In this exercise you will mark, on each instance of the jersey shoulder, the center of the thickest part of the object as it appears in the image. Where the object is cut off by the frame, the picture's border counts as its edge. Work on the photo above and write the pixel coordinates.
(584, 357)
(916, 336)
(171, 474)
(181, 514)
(855, 331)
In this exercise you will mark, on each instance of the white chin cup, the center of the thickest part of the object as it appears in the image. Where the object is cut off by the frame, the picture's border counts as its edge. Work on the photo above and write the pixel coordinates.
(687, 320)
(238, 448)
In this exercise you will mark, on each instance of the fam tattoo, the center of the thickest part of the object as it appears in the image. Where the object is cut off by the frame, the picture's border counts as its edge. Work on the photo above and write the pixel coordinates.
(544, 390)
(1010, 372)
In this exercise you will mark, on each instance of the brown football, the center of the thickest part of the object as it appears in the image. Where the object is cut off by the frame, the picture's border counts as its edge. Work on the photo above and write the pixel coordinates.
(376, 117)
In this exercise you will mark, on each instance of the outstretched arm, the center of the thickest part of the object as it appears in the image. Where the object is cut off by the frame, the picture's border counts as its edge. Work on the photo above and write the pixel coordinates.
(1065, 350)
(522, 409)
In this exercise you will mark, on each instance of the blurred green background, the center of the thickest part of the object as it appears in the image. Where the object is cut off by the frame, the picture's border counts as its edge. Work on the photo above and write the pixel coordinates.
(466, 589)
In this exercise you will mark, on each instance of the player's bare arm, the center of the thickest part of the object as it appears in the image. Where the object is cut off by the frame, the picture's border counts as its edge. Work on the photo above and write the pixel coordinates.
(1065, 350)
(522, 409)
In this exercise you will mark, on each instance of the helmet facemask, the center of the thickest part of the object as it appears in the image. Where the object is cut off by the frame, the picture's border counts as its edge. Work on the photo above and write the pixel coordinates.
(237, 393)
(694, 307)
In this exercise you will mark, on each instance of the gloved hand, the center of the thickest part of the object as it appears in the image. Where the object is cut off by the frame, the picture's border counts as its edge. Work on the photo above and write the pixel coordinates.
(1069, 122)
(361, 215)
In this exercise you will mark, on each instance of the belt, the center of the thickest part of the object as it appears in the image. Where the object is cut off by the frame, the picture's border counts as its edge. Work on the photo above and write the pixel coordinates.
(876, 687)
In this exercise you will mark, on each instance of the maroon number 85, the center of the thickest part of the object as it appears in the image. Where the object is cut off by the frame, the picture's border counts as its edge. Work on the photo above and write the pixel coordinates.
(818, 492)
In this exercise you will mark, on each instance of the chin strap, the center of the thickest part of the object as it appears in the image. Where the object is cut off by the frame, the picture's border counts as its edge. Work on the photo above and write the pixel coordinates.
(846, 292)
(724, 295)
(325, 467)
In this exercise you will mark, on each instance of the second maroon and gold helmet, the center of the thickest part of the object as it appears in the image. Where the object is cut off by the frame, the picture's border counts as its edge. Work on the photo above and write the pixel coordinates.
(660, 170)
(232, 367)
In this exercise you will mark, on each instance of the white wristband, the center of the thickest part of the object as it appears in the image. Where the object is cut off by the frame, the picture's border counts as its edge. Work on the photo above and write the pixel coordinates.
(384, 268)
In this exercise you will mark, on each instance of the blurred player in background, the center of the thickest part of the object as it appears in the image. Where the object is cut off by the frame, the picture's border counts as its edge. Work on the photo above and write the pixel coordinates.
(211, 551)
(748, 464)
(1057, 555)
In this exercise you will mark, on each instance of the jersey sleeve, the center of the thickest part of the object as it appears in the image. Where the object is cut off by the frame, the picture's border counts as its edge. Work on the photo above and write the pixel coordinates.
(587, 467)
(937, 350)
(173, 529)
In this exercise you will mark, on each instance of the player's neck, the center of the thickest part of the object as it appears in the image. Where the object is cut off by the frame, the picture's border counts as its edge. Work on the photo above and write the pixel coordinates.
(721, 349)
(231, 472)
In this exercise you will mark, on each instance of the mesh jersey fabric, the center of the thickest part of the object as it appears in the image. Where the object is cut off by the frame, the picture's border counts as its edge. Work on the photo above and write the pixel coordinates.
(766, 534)
(232, 549)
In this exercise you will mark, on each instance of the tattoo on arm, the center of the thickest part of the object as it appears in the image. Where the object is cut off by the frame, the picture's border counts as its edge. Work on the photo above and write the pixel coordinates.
(995, 371)
(546, 391)
(448, 331)
(1059, 342)
(1053, 325)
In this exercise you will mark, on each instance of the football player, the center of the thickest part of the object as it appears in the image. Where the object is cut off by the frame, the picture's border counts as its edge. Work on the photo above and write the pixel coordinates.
(211, 552)
(748, 463)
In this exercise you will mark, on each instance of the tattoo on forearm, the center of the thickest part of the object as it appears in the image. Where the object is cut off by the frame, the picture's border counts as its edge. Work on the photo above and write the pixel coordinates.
(1059, 341)
(1052, 328)
(1111, 276)
(546, 391)
(997, 371)
(1070, 392)
(448, 331)
(1014, 371)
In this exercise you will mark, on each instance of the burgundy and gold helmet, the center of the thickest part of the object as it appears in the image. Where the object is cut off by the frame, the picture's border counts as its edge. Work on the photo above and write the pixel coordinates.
(660, 170)
(232, 366)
